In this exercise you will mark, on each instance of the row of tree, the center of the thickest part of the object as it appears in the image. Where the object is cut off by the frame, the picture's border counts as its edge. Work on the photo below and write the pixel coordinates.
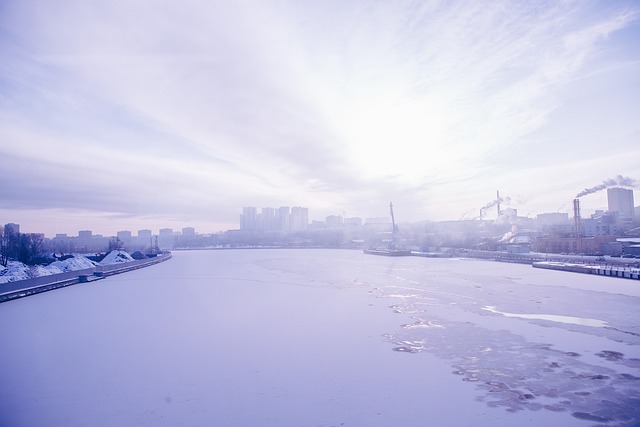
(34, 248)
(28, 248)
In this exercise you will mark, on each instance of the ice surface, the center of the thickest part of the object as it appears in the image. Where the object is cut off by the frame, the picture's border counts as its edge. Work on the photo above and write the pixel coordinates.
(552, 317)
(323, 338)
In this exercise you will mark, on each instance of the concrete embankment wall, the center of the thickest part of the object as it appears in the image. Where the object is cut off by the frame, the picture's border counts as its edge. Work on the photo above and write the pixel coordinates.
(525, 258)
(612, 271)
(23, 288)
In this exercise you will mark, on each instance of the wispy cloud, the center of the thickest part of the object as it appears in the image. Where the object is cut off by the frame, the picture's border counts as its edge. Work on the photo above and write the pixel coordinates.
(145, 107)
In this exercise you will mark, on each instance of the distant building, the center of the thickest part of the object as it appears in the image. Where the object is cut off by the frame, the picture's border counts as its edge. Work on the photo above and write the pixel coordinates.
(620, 201)
(600, 224)
(353, 222)
(188, 231)
(85, 235)
(124, 235)
(266, 219)
(299, 219)
(334, 221)
(144, 240)
(249, 218)
(166, 238)
(378, 220)
(552, 218)
(270, 219)
(282, 218)
(144, 235)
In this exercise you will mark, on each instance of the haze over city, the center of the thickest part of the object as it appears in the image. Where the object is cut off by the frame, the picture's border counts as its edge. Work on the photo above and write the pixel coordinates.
(143, 115)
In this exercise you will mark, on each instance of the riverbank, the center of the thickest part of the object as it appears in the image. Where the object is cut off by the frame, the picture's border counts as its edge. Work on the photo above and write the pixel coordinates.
(23, 288)
(623, 272)
(613, 267)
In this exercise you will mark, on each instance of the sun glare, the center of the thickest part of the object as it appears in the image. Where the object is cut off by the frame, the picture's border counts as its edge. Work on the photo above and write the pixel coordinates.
(399, 138)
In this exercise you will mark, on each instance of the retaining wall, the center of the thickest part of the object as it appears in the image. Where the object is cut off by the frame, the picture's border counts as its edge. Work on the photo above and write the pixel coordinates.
(22, 288)
(612, 271)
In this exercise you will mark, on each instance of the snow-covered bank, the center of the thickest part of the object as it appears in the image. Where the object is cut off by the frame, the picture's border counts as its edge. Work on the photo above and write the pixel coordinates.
(602, 270)
(16, 271)
(116, 263)
(307, 338)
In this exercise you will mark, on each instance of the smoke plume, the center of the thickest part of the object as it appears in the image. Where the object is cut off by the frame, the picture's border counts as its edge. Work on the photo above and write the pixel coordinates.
(504, 200)
(620, 180)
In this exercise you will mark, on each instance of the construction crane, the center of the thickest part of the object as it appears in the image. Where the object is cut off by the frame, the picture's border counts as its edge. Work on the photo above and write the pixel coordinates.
(393, 220)
(392, 245)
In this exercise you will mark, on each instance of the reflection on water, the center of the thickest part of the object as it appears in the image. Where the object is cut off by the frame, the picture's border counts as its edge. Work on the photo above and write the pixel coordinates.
(552, 317)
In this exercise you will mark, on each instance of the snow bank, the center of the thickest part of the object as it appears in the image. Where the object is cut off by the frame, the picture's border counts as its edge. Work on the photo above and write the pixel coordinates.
(16, 270)
(73, 264)
(115, 257)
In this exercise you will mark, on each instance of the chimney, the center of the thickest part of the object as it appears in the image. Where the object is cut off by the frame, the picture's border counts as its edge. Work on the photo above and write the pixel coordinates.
(576, 217)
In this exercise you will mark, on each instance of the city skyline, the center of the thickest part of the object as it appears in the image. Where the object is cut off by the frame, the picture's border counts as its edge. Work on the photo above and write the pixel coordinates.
(144, 116)
(620, 201)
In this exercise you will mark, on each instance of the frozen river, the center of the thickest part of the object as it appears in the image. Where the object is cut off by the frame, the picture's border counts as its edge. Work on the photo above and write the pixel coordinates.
(324, 338)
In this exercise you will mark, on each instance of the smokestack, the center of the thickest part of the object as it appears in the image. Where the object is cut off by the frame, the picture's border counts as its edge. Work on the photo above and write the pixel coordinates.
(480, 214)
(498, 200)
(576, 217)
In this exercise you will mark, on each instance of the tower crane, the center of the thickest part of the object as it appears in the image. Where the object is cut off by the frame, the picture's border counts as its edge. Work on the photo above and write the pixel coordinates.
(392, 245)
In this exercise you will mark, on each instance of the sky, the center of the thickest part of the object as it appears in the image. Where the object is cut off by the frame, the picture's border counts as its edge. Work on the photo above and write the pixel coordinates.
(127, 115)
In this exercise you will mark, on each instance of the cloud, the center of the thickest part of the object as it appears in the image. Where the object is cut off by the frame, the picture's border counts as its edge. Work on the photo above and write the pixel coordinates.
(194, 110)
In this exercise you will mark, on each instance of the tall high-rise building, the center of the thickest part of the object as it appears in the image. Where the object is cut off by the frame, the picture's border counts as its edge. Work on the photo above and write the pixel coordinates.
(267, 219)
(249, 218)
(334, 221)
(283, 220)
(144, 235)
(620, 200)
(188, 231)
(124, 235)
(85, 234)
(145, 238)
(299, 219)
(166, 238)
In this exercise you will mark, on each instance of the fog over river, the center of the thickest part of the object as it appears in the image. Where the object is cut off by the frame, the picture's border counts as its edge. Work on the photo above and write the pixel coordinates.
(324, 338)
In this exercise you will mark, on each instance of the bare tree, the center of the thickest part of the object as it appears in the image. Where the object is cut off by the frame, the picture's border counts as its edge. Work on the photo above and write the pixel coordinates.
(30, 247)
(4, 252)
(115, 244)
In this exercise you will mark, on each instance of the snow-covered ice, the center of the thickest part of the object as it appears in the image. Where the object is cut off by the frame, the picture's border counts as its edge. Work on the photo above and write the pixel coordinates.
(324, 338)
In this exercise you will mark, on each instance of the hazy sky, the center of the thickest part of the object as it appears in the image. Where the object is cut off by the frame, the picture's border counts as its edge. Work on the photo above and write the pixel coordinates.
(138, 114)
